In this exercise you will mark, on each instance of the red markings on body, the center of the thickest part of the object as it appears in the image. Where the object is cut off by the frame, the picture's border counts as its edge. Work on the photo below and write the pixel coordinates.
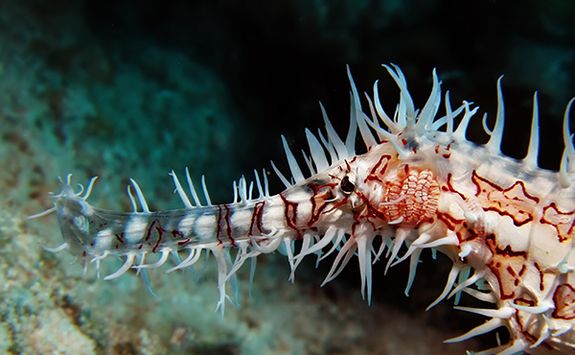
(183, 243)
(290, 214)
(562, 221)
(451, 222)
(507, 265)
(229, 226)
(176, 234)
(318, 200)
(347, 167)
(514, 202)
(148, 234)
(462, 230)
(155, 225)
(445, 152)
(522, 301)
(160, 232)
(153, 236)
(541, 277)
(120, 237)
(226, 220)
(524, 320)
(344, 201)
(382, 165)
(449, 187)
(256, 220)
(219, 225)
(564, 299)
(369, 212)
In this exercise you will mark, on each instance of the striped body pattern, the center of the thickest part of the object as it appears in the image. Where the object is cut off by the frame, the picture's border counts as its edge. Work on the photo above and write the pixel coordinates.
(506, 224)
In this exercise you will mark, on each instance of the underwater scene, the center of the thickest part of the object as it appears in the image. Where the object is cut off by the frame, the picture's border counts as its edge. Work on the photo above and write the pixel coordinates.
(149, 90)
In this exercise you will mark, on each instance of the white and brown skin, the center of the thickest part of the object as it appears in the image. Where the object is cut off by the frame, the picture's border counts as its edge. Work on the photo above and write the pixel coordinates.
(418, 185)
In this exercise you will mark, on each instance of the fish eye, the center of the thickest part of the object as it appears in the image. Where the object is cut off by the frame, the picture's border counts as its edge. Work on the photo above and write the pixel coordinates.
(346, 186)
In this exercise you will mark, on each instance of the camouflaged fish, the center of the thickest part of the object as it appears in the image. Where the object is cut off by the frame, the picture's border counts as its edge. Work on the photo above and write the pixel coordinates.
(419, 184)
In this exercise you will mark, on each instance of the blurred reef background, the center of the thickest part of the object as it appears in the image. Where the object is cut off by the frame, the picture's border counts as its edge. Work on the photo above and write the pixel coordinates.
(125, 89)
